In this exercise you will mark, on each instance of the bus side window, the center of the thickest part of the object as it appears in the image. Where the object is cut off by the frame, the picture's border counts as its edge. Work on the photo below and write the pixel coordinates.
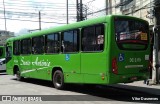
(16, 47)
(100, 42)
(52, 43)
(100, 37)
(26, 46)
(69, 41)
(62, 46)
(38, 45)
(93, 38)
(8, 51)
(33, 49)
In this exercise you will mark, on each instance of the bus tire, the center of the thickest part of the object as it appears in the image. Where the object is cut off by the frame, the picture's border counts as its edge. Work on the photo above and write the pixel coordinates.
(18, 75)
(58, 80)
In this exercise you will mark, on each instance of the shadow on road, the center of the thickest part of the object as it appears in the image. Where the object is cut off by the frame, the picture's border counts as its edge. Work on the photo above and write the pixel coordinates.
(100, 93)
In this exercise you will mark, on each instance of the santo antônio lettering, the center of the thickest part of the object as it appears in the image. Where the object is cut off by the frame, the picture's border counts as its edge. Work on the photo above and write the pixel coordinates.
(37, 62)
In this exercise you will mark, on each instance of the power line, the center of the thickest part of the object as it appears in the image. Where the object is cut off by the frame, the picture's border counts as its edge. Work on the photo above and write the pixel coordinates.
(97, 11)
(51, 12)
(51, 8)
(13, 12)
(46, 10)
(35, 15)
(12, 7)
(34, 2)
(90, 1)
(22, 7)
(32, 20)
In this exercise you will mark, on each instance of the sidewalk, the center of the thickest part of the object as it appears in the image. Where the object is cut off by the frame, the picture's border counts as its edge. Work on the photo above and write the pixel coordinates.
(140, 86)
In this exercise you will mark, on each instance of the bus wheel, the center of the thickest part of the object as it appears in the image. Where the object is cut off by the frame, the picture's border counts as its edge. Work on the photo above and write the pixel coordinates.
(18, 75)
(58, 80)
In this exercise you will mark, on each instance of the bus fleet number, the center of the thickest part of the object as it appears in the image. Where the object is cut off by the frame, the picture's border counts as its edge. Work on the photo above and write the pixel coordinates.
(135, 60)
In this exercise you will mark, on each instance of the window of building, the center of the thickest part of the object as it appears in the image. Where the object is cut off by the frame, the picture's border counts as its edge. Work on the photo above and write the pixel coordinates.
(126, 5)
(26, 46)
(38, 45)
(70, 41)
(93, 38)
(16, 48)
(52, 43)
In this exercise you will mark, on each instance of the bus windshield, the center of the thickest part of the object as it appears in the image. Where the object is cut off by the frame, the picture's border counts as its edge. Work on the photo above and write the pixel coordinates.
(131, 35)
(1, 52)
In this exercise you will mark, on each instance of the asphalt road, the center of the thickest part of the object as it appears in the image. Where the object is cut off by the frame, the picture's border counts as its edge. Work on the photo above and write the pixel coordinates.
(78, 94)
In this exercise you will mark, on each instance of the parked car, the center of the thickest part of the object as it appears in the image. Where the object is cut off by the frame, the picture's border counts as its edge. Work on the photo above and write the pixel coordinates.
(2, 64)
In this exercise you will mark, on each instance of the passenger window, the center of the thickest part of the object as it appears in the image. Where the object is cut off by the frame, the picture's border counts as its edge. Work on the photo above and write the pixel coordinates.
(38, 45)
(52, 43)
(93, 38)
(70, 41)
(8, 52)
(16, 48)
(26, 46)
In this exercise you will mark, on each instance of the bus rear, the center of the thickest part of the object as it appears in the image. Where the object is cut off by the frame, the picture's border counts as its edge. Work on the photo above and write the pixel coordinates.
(130, 50)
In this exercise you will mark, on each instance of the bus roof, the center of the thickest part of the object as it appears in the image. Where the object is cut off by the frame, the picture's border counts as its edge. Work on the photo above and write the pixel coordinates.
(69, 26)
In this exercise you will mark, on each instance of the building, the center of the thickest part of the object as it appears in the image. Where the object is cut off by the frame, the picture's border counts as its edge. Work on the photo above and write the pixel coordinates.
(138, 8)
(4, 35)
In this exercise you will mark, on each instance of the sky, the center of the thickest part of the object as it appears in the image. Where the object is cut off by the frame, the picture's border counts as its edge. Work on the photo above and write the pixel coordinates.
(23, 15)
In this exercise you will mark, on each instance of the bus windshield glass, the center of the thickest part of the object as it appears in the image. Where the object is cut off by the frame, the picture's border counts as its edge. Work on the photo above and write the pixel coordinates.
(131, 34)
(1, 51)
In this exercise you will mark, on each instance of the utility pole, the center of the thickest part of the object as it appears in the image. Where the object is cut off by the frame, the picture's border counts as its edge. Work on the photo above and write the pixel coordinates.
(81, 11)
(77, 10)
(157, 37)
(39, 20)
(67, 10)
(110, 7)
(4, 16)
(107, 7)
(156, 30)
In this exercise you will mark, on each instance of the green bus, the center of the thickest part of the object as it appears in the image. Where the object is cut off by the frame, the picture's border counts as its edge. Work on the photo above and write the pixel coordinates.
(2, 52)
(105, 50)
(2, 59)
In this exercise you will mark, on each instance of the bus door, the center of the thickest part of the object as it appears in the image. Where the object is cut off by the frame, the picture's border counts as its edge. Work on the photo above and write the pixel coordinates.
(25, 58)
(71, 56)
(93, 57)
(39, 61)
(9, 62)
